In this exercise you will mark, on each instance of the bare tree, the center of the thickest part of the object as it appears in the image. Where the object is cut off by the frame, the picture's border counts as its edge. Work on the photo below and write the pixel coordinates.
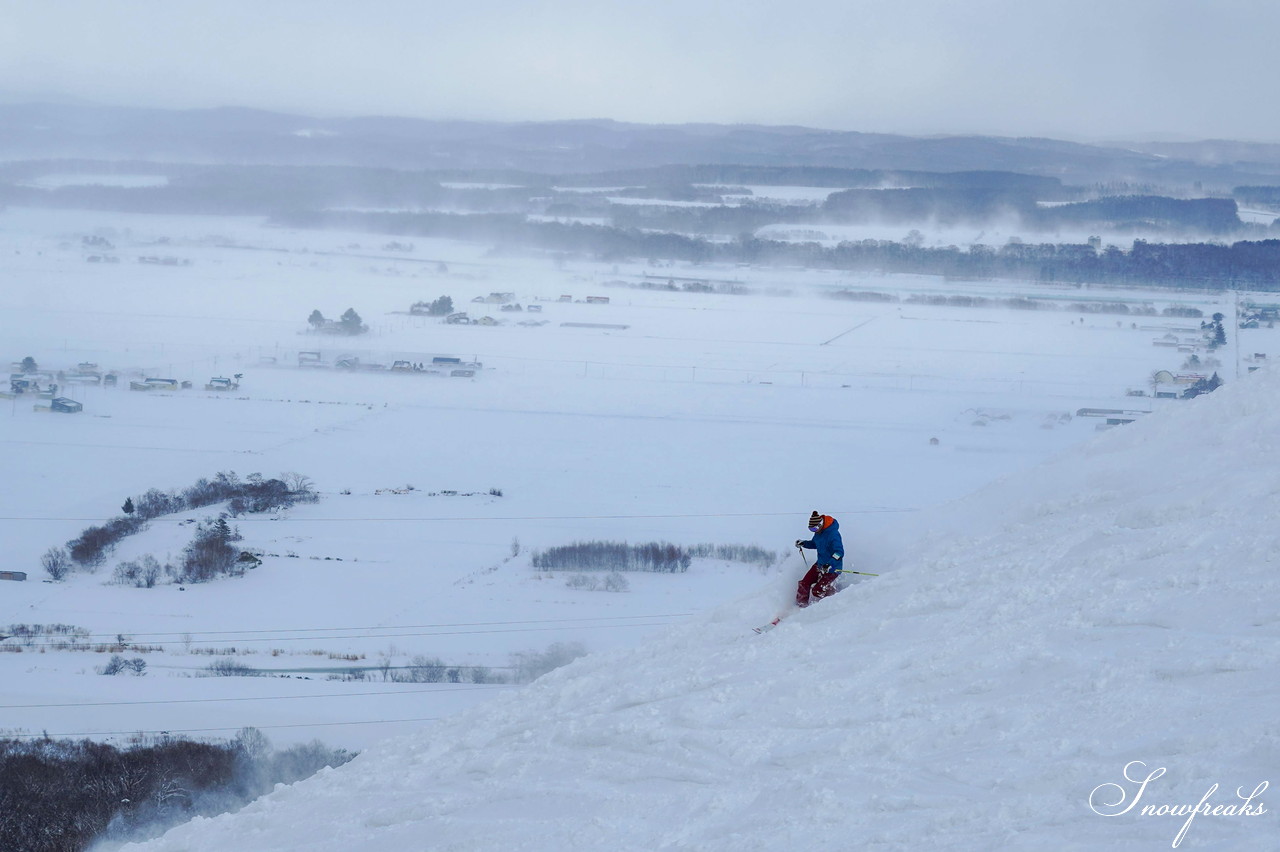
(56, 562)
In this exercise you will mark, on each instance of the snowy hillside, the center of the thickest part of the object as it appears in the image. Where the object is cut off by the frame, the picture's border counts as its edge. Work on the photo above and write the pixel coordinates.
(1021, 648)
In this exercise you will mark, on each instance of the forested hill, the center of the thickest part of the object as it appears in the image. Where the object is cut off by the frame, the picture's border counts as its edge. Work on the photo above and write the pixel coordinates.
(237, 135)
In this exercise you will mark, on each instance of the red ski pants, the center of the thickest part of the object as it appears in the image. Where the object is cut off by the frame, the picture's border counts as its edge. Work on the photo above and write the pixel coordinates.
(815, 585)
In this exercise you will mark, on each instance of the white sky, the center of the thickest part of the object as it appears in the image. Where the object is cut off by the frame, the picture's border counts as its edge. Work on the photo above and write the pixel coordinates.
(1077, 68)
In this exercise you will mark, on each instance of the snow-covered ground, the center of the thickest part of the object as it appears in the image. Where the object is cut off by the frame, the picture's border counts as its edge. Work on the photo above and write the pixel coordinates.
(1258, 217)
(1038, 664)
(1020, 647)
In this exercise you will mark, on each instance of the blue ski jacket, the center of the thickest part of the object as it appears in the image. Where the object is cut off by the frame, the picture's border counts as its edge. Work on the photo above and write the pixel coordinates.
(828, 543)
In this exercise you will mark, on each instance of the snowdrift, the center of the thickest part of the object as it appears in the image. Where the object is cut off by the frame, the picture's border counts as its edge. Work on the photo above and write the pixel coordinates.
(989, 691)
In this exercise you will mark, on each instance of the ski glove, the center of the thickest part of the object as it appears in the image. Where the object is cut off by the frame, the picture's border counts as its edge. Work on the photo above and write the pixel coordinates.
(800, 542)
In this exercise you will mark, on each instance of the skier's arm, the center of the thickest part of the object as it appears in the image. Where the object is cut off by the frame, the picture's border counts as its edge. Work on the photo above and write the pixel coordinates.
(837, 555)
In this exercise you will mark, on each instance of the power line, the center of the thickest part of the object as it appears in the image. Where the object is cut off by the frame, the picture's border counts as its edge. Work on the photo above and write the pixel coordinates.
(179, 635)
(255, 697)
(124, 645)
(243, 635)
(228, 728)
(875, 510)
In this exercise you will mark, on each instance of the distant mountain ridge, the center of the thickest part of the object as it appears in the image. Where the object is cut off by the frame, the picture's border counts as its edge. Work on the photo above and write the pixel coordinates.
(241, 135)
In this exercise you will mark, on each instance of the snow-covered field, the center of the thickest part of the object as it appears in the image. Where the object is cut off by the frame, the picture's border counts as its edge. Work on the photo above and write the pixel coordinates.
(1019, 648)
(1078, 657)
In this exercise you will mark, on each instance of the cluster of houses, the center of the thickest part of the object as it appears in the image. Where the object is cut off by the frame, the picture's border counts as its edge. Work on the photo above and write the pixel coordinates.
(166, 260)
(1258, 314)
(216, 383)
(45, 385)
(426, 365)
(25, 386)
(507, 303)
(39, 385)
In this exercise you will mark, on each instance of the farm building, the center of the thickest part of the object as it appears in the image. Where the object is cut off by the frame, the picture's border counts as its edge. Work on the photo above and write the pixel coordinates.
(65, 406)
(154, 384)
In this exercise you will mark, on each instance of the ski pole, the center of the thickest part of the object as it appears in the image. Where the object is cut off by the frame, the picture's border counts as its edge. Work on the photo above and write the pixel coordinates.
(863, 573)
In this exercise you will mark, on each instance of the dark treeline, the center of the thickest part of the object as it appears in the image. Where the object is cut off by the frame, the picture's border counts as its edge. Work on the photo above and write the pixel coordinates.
(63, 795)
(985, 205)
(1197, 265)
(944, 205)
(938, 206)
(1212, 216)
(613, 556)
(1263, 195)
(1045, 187)
(653, 556)
(499, 213)
(977, 206)
(868, 196)
(253, 494)
(1254, 264)
(720, 220)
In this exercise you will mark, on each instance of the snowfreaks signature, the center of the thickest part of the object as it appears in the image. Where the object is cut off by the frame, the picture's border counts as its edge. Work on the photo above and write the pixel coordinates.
(1109, 800)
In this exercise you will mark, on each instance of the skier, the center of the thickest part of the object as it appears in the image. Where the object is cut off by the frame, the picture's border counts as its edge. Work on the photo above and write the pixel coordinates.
(819, 581)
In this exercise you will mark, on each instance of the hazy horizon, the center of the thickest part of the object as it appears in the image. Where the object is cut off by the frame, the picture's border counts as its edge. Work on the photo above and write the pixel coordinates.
(1083, 70)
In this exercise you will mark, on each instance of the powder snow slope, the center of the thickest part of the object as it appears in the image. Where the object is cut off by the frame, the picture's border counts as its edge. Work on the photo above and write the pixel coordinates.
(1023, 646)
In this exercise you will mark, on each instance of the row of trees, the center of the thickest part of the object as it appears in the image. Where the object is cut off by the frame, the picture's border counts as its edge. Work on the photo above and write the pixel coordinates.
(254, 494)
(614, 556)
(732, 175)
(880, 195)
(661, 557)
(349, 323)
(208, 555)
(65, 795)
(977, 205)
(1248, 263)
(439, 307)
